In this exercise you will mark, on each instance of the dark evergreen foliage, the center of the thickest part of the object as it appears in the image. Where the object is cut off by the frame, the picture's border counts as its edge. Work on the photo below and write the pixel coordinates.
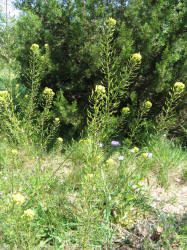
(156, 29)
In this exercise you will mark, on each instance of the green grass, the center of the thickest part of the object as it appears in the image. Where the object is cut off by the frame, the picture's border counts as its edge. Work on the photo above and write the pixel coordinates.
(167, 156)
(79, 198)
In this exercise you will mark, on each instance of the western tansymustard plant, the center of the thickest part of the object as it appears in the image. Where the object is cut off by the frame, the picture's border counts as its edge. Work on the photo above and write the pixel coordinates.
(165, 118)
(139, 120)
(106, 98)
(27, 123)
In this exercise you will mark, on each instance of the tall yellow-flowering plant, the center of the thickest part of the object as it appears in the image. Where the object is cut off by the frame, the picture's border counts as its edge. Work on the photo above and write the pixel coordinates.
(106, 98)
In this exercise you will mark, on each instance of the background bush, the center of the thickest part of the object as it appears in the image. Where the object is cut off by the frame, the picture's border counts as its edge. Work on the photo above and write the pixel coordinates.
(72, 29)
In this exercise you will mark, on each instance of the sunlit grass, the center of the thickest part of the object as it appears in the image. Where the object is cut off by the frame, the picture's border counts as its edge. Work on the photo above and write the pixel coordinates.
(78, 198)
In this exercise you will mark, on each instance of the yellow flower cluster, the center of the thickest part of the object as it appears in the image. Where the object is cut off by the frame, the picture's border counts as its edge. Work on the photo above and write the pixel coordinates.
(12, 76)
(135, 150)
(18, 198)
(14, 152)
(90, 176)
(59, 140)
(34, 47)
(57, 120)
(148, 104)
(179, 87)
(29, 213)
(99, 89)
(48, 92)
(137, 57)
(125, 110)
(110, 162)
(86, 141)
(111, 21)
(46, 46)
(42, 58)
(3, 95)
(146, 155)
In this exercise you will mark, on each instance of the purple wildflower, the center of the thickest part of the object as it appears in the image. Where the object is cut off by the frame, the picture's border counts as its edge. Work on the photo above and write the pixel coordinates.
(121, 158)
(149, 155)
(115, 143)
(100, 145)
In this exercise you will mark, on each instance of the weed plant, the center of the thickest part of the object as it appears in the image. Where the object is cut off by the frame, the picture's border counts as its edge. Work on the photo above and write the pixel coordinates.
(25, 120)
(106, 98)
(167, 115)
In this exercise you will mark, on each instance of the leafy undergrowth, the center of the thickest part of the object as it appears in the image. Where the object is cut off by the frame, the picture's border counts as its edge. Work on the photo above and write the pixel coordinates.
(93, 196)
